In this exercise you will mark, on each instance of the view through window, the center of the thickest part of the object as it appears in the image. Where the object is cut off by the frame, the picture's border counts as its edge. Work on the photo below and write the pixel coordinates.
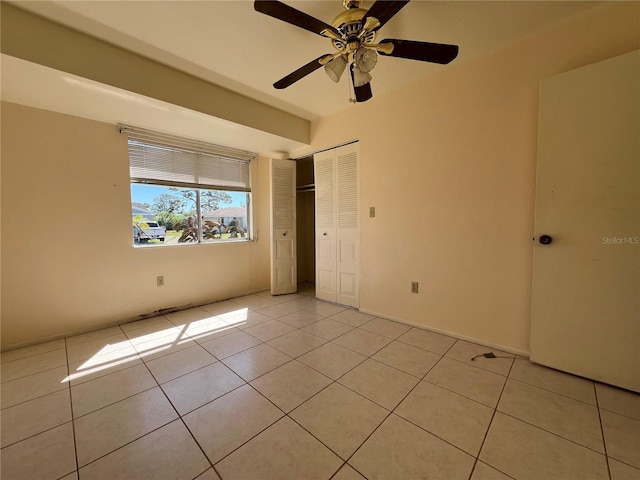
(168, 215)
(188, 192)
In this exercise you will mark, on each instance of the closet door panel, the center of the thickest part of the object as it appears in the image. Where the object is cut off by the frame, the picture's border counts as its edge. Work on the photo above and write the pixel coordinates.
(283, 222)
(347, 237)
(324, 178)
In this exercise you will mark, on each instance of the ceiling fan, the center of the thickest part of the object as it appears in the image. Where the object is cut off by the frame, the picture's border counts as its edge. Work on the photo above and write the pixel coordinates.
(353, 34)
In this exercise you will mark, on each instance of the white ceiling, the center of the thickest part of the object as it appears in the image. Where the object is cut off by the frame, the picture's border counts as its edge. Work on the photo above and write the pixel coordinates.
(229, 44)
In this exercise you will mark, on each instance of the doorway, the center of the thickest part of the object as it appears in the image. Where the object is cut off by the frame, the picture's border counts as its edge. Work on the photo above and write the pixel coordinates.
(305, 224)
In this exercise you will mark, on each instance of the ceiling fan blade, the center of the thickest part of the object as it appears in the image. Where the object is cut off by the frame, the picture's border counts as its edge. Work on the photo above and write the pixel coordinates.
(302, 72)
(288, 14)
(423, 51)
(383, 10)
(362, 93)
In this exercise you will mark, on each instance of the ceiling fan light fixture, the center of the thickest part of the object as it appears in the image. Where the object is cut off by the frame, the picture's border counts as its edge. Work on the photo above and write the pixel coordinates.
(366, 59)
(360, 78)
(353, 34)
(335, 68)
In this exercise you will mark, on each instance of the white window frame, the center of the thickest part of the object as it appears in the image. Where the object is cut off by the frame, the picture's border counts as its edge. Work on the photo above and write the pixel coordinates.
(170, 161)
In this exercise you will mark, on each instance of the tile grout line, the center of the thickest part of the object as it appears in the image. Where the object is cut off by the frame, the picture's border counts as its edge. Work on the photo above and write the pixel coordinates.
(604, 442)
(73, 423)
(34, 373)
(286, 414)
(39, 396)
(7, 362)
(158, 385)
(36, 434)
(127, 443)
(370, 357)
(292, 358)
(493, 415)
(538, 427)
(552, 391)
(391, 412)
(73, 418)
(553, 433)
(423, 379)
(239, 446)
(106, 374)
(117, 401)
(111, 404)
(262, 374)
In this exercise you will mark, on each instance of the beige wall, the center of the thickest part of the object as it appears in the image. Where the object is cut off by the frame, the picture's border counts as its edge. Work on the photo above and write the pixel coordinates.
(68, 264)
(449, 164)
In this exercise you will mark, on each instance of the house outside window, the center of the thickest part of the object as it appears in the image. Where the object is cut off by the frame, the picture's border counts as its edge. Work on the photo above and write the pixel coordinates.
(185, 192)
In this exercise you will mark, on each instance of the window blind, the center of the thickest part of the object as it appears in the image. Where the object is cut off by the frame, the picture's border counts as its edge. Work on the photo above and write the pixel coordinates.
(163, 159)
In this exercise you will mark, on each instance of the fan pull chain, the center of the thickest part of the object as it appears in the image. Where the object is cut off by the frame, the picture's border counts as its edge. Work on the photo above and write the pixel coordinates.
(352, 91)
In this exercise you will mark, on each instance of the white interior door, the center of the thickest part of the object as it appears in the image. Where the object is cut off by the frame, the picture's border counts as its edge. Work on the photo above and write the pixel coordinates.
(586, 283)
(283, 227)
(324, 179)
(347, 234)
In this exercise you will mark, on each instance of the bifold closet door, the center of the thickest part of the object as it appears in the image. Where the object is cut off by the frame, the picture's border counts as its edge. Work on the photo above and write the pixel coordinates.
(324, 179)
(337, 225)
(283, 227)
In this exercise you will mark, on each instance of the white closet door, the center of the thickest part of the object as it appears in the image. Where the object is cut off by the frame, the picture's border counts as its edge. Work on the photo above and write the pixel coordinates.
(283, 225)
(347, 235)
(324, 179)
(337, 225)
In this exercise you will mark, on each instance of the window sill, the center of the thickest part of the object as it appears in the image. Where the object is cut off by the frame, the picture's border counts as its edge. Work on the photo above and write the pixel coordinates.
(208, 242)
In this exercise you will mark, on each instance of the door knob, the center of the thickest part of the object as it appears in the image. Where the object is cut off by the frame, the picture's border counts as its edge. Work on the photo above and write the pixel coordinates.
(545, 239)
(285, 234)
(325, 234)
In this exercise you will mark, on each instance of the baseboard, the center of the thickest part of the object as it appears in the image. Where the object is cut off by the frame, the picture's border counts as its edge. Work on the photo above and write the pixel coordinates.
(116, 323)
(504, 348)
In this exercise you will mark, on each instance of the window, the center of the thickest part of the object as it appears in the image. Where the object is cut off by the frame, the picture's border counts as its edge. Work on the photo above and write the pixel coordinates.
(185, 192)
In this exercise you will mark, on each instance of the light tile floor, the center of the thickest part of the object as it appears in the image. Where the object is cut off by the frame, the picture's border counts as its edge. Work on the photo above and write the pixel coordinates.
(289, 387)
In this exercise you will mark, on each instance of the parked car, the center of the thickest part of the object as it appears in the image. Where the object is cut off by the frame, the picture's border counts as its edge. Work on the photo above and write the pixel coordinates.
(139, 236)
(153, 230)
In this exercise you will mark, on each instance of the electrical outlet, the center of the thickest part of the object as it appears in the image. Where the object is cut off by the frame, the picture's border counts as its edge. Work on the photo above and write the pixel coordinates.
(372, 212)
(414, 287)
(160, 280)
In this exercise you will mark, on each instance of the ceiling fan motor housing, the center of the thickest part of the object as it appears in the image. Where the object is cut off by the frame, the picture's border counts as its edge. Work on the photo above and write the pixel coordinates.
(349, 25)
